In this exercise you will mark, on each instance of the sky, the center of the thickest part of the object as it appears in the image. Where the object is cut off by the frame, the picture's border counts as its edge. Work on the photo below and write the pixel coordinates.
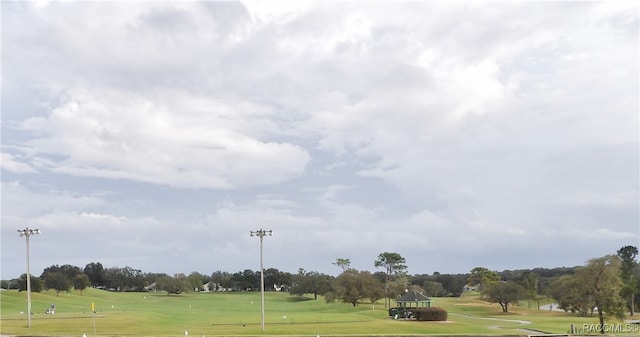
(158, 135)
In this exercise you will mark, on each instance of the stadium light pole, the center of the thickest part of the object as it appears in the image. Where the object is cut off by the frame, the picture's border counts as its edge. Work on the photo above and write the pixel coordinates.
(27, 232)
(261, 233)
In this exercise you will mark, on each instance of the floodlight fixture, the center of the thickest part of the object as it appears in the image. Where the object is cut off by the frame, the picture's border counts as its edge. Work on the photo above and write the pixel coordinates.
(26, 233)
(261, 233)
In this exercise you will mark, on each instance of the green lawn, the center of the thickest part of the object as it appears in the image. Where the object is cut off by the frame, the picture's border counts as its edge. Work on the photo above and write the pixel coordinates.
(218, 314)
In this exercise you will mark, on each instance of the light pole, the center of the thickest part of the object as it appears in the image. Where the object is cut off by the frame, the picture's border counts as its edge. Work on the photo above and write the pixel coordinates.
(261, 233)
(27, 233)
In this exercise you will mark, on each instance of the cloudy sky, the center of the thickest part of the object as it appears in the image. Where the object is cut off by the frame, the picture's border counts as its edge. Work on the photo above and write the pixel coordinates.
(158, 135)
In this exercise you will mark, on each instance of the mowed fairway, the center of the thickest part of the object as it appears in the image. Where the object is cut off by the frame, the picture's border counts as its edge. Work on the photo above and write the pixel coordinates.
(238, 313)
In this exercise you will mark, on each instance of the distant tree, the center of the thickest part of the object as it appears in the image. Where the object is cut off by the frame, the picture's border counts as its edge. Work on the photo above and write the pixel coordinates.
(352, 287)
(57, 281)
(482, 277)
(166, 283)
(380, 276)
(601, 276)
(419, 279)
(195, 281)
(172, 285)
(135, 279)
(247, 279)
(452, 284)
(284, 279)
(597, 285)
(320, 284)
(627, 255)
(270, 278)
(222, 279)
(310, 283)
(37, 285)
(205, 279)
(81, 282)
(274, 277)
(432, 288)
(505, 293)
(571, 295)
(150, 280)
(15, 283)
(554, 272)
(397, 286)
(95, 272)
(394, 264)
(114, 279)
(342, 263)
(298, 283)
(68, 270)
(374, 290)
(636, 298)
(124, 279)
(530, 283)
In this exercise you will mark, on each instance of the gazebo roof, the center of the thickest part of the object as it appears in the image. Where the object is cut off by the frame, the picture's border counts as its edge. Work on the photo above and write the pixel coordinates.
(413, 296)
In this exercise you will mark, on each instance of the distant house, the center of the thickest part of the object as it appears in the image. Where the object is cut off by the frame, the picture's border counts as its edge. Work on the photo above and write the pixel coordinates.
(151, 287)
(470, 288)
(413, 299)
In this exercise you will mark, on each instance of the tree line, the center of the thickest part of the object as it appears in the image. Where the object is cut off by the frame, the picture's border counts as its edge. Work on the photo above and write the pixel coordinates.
(608, 284)
(605, 285)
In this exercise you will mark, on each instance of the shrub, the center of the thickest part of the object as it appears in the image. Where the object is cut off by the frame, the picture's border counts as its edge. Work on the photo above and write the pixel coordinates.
(430, 314)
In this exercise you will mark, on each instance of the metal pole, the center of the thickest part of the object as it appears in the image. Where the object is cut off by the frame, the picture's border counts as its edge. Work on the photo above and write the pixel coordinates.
(27, 233)
(261, 233)
(261, 286)
(28, 287)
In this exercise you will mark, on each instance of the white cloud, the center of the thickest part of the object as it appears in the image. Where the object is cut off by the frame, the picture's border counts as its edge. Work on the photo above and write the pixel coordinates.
(578, 235)
(276, 10)
(347, 128)
(10, 163)
(42, 199)
(196, 144)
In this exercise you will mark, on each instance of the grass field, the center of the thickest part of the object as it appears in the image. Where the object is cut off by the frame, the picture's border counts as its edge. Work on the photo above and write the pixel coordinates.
(229, 314)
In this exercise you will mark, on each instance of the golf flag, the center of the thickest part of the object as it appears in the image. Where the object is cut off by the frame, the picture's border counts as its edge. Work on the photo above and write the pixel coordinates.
(93, 310)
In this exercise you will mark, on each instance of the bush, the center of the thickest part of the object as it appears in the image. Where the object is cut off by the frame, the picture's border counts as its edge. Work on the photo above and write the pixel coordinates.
(430, 314)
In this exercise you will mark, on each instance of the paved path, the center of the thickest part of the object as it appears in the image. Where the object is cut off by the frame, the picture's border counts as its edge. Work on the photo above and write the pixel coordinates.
(523, 330)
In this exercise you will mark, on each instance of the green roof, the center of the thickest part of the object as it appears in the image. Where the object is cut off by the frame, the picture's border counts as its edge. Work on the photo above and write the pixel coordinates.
(413, 296)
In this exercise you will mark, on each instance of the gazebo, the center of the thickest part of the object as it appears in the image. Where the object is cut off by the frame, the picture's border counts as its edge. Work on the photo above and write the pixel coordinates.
(411, 300)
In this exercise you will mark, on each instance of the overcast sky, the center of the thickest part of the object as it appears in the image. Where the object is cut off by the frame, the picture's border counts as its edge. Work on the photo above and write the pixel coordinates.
(158, 135)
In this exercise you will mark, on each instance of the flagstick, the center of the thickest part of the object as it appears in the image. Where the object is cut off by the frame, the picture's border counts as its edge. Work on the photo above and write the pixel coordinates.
(93, 311)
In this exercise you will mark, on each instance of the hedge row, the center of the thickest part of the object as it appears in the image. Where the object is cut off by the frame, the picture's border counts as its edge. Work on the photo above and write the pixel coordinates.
(430, 314)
